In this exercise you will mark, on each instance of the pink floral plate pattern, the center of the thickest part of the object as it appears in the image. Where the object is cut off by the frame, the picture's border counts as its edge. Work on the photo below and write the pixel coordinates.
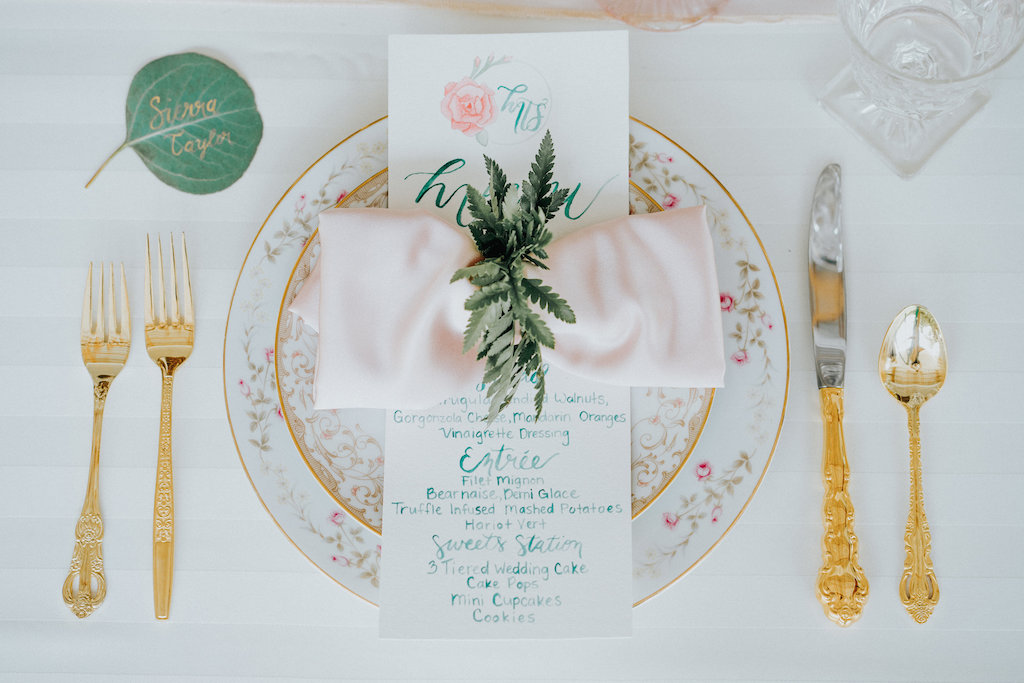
(700, 497)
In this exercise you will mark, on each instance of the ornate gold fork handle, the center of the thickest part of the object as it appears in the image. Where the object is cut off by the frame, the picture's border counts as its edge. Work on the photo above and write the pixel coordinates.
(87, 558)
(919, 589)
(842, 585)
(163, 501)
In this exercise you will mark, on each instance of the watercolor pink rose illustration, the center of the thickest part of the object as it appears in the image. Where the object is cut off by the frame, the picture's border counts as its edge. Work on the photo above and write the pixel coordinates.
(468, 104)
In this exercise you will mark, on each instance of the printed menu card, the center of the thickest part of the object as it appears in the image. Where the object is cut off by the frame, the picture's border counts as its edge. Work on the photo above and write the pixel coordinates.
(518, 527)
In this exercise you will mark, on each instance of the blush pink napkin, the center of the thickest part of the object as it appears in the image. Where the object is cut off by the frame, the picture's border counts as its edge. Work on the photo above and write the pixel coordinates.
(390, 324)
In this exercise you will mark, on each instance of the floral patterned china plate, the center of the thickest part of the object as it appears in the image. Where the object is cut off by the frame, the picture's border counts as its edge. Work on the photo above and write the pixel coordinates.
(319, 473)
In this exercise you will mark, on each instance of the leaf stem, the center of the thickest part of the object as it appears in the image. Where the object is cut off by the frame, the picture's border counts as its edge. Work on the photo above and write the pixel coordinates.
(104, 164)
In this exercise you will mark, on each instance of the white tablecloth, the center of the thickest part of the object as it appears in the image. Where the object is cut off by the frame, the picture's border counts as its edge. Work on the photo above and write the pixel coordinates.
(742, 98)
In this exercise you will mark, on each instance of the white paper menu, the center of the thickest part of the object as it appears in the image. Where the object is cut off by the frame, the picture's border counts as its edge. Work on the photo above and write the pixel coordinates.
(519, 528)
(516, 529)
(452, 99)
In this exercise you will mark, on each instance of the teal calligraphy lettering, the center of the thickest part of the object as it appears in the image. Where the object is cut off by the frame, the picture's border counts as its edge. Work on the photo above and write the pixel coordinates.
(442, 198)
(567, 212)
(433, 182)
(470, 462)
(529, 114)
(486, 542)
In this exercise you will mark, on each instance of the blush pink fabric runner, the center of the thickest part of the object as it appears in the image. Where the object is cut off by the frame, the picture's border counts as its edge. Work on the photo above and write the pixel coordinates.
(390, 323)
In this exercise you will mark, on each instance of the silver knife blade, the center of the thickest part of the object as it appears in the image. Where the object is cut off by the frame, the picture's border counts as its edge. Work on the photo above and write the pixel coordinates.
(827, 284)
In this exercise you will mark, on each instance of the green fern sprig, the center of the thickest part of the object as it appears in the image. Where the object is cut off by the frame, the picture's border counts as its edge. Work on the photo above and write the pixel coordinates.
(506, 331)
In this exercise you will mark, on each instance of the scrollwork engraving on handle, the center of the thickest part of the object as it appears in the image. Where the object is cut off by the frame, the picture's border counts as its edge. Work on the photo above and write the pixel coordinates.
(163, 502)
(842, 585)
(100, 389)
(86, 586)
(919, 588)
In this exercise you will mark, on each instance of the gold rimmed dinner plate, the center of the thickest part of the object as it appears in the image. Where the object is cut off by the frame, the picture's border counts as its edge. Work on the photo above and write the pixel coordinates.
(318, 473)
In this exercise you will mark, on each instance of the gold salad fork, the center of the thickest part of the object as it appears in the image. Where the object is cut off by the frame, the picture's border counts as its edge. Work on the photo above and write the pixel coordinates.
(169, 343)
(106, 340)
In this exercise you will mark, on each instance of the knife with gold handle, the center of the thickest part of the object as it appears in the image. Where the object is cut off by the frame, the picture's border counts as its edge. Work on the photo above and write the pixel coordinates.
(842, 585)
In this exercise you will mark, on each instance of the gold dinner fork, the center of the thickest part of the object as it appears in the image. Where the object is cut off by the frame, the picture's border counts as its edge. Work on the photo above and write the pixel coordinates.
(169, 343)
(106, 340)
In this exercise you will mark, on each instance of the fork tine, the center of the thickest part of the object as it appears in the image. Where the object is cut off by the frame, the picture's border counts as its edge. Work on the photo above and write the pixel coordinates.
(175, 320)
(149, 283)
(189, 311)
(124, 329)
(87, 307)
(100, 327)
(111, 329)
(162, 298)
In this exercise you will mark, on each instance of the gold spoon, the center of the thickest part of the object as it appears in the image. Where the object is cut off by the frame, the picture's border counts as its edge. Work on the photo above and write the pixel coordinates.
(912, 365)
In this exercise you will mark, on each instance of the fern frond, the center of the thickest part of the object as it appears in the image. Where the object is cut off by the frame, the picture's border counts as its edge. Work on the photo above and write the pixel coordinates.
(480, 274)
(507, 333)
(499, 333)
(538, 392)
(548, 299)
(539, 178)
(479, 208)
(499, 185)
(479, 321)
(534, 326)
(485, 296)
(557, 199)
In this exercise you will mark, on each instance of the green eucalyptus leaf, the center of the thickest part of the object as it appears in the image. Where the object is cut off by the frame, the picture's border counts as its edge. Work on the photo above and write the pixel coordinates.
(193, 122)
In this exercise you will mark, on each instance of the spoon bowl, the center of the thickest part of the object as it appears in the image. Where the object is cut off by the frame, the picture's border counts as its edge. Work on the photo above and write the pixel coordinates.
(912, 367)
(912, 362)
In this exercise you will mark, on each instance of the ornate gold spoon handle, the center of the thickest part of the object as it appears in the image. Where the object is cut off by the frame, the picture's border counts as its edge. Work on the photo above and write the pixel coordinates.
(919, 589)
(842, 584)
(86, 585)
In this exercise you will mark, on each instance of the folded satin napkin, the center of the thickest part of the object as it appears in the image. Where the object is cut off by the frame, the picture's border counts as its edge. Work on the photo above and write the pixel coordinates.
(390, 323)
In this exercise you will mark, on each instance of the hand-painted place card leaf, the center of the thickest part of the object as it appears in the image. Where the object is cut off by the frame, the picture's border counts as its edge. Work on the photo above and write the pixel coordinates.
(193, 121)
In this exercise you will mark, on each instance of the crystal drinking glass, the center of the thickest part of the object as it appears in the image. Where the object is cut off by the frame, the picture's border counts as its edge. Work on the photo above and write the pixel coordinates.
(918, 70)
